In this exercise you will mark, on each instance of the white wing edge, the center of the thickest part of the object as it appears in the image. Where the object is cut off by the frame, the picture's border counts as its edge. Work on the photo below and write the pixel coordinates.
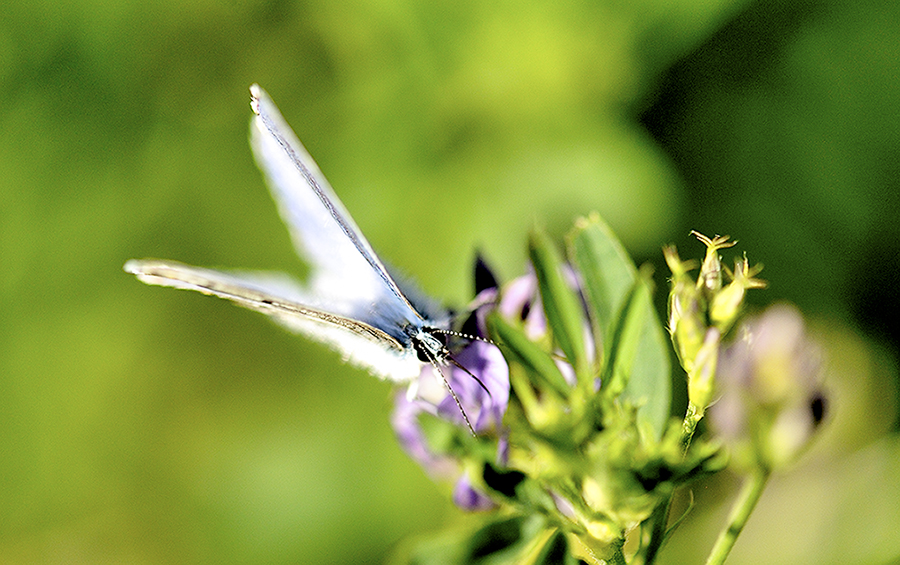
(359, 344)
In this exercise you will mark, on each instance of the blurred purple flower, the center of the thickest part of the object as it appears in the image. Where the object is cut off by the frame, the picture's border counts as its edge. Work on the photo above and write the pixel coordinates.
(468, 497)
(770, 380)
(522, 301)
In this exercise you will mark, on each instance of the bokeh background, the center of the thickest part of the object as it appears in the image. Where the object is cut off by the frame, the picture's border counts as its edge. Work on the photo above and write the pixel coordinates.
(144, 425)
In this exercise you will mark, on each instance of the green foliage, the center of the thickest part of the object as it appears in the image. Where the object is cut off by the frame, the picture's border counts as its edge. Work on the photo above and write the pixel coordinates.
(561, 305)
(635, 352)
(525, 352)
(591, 456)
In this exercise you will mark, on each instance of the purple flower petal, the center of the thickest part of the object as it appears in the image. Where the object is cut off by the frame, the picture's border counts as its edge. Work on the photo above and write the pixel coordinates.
(468, 497)
(484, 408)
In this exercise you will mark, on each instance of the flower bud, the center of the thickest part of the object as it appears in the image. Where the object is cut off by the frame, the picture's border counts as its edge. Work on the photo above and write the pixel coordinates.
(687, 321)
(710, 279)
(726, 304)
(701, 378)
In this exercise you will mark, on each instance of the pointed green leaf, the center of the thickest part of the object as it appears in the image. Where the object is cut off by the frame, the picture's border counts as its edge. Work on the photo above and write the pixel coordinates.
(651, 368)
(502, 540)
(620, 344)
(605, 266)
(511, 541)
(529, 354)
(561, 304)
(635, 350)
(639, 360)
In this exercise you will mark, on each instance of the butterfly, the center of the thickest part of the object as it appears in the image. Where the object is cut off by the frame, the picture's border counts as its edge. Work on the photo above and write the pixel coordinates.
(351, 302)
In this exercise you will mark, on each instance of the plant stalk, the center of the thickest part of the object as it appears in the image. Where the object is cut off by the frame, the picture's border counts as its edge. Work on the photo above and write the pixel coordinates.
(740, 513)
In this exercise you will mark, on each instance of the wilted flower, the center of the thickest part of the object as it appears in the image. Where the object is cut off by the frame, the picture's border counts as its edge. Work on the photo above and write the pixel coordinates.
(770, 379)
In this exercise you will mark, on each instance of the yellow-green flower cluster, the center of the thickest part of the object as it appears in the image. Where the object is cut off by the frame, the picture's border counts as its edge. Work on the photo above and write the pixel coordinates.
(702, 311)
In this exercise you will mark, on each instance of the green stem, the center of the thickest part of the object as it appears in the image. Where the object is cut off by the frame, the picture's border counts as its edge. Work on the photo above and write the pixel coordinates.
(659, 518)
(740, 513)
(658, 521)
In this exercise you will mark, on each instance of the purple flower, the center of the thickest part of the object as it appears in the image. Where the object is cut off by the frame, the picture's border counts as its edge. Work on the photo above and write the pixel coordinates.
(522, 301)
(484, 406)
(468, 497)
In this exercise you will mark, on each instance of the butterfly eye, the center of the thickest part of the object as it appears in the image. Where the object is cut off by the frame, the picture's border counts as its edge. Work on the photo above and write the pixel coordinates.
(430, 346)
(422, 354)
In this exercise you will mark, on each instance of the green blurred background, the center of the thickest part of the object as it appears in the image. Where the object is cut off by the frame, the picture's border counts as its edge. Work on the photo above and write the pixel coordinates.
(143, 425)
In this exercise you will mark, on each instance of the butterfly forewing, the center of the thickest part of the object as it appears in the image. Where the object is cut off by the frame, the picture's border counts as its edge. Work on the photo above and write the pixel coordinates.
(347, 277)
(351, 302)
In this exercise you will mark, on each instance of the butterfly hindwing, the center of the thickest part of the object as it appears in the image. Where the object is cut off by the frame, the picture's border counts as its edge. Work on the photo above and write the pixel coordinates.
(281, 298)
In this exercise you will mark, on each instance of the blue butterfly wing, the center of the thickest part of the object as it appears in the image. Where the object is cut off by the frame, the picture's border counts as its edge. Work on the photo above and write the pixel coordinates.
(347, 278)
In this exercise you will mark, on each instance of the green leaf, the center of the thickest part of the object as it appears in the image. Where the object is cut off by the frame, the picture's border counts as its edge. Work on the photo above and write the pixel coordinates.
(635, 349)
(561, 304)
(499, 541)
(556, 552)
(650, 364)
(606, 268)
(528, 354)
(621, 340)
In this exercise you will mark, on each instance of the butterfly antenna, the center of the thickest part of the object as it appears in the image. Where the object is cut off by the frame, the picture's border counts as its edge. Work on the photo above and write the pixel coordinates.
(466, 336)
(453, 394)
(456, 363)
(468, 372)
